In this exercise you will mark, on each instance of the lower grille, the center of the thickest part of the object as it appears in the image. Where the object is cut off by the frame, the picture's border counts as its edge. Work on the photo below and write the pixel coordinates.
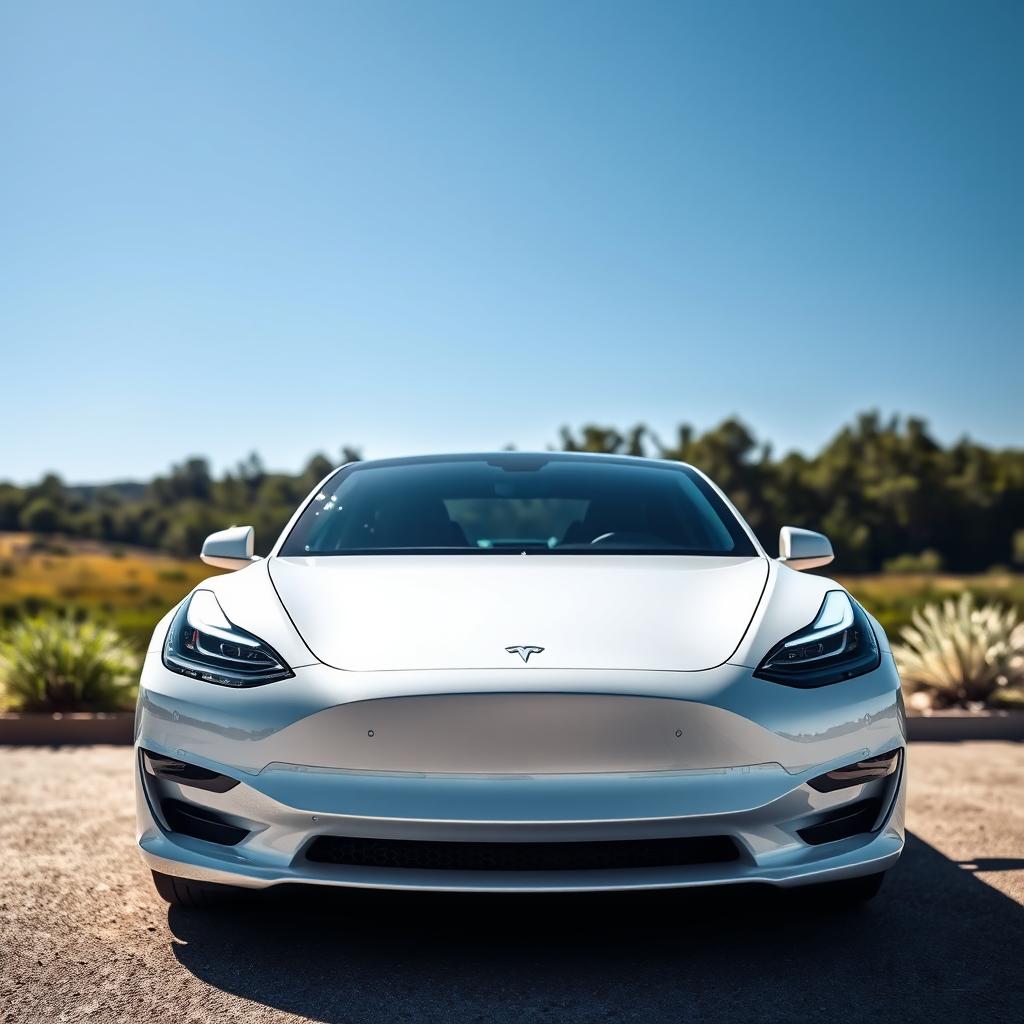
(454, 856)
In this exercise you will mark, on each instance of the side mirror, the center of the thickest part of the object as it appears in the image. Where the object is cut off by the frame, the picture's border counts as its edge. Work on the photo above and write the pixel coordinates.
(804, 549)
(229, 549)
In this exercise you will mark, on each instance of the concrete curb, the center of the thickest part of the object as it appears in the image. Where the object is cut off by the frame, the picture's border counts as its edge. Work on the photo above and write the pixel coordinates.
(75, 728)
(955, 726)
(81, 728)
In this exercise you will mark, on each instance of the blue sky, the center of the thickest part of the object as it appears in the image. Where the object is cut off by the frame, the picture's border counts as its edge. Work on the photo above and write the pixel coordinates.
(431, 225)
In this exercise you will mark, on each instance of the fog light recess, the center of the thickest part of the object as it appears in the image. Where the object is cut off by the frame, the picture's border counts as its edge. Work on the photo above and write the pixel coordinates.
(161, 766)
(870, 769)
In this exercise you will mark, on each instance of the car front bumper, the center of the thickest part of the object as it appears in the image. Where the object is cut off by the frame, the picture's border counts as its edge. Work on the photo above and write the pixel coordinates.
(563, 758)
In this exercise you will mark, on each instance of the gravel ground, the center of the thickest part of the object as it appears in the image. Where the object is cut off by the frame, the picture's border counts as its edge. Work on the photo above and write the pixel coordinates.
(83, 935)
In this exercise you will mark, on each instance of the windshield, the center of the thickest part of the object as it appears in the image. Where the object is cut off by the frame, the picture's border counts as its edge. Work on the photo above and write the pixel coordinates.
(513, 502)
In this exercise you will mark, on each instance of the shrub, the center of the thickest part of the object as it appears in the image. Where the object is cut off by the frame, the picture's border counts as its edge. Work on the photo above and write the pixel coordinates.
(960, 652)
(927, 561)
(53, 663)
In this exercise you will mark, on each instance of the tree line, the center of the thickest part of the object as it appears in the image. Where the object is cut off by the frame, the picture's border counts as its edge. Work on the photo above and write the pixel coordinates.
(884, 490)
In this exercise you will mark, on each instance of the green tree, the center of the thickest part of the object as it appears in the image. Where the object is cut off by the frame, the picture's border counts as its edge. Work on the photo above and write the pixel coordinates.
(41, 515)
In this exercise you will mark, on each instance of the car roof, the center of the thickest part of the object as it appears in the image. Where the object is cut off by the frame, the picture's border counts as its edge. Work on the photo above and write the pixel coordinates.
(518, 456)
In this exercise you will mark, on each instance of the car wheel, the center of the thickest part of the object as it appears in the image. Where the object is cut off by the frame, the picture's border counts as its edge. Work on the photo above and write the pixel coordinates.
(180, 892)
(849, 893)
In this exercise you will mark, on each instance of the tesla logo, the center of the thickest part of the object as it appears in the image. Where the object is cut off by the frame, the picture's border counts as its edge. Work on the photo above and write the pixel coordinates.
(524, 652)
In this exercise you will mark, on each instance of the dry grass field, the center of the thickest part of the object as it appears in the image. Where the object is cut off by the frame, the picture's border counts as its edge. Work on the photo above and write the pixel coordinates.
(891, 597)
(129, 587)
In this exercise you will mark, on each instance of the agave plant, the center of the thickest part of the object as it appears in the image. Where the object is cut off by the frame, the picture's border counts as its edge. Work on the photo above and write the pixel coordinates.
(53, 663)
(961, 652)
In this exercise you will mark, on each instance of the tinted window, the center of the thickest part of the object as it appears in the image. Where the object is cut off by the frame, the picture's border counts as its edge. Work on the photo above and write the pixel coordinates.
(508, 503)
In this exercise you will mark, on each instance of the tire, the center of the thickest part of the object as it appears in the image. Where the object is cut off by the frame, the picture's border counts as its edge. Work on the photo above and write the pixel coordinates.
(180, 892)
(847, 894)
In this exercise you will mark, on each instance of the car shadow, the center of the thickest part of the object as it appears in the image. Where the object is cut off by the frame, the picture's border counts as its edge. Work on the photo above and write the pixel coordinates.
(937, 944)
(992, 864)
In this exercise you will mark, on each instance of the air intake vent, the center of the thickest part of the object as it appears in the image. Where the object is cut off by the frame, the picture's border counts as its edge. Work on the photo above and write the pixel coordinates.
(200, 823)
(851, 820)
(589, 856)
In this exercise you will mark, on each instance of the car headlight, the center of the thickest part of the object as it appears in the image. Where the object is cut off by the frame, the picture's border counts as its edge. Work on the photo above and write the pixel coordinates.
(839, 644)
(203, 643)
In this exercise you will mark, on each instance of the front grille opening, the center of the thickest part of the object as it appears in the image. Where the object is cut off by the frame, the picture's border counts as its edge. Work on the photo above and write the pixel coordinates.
(579, 856)
(201, 823)
(843, 822)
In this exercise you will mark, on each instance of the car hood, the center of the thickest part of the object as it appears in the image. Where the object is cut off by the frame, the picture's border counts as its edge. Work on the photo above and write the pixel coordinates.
(395, 612)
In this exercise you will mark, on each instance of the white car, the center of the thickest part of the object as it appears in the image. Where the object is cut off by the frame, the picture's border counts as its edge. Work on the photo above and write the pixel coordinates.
(518, 672)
